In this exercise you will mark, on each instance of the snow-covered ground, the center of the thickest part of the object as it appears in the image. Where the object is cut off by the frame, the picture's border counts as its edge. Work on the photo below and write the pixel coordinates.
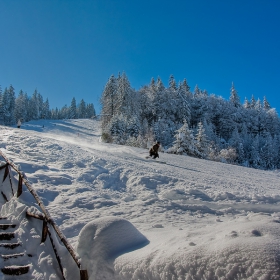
(129, 217)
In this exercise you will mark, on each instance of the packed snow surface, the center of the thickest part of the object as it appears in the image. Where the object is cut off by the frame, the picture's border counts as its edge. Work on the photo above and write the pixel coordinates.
(133, 218)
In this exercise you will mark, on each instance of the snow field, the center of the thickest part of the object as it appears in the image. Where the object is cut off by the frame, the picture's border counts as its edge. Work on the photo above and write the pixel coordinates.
(196, 219)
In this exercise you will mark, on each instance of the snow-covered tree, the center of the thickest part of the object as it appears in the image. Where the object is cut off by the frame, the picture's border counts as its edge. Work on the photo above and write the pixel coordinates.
(90, 111)
(240, 131)
(125, 97)
(8, 101)
(234, 98)
(185, 142)
(266, 105)
(172, 83)
(109, 101)
(33, 112)
(246, 104)
(46, 110)
(252, 102)
(73, 109)
(21, 106)
(82, 109)
(1, 108)
(201, 141)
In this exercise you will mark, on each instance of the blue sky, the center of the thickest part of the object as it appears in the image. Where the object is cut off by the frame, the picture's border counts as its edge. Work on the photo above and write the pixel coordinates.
(69, 48)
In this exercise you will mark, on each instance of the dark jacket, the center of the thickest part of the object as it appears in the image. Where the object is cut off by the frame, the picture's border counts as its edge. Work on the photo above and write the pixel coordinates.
(155, 148)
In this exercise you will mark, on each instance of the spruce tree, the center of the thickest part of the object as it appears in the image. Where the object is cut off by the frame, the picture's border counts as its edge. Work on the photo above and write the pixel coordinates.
(73, 109)
(1, 108)
(46, 110)
(266, 105)
(234, 98)
(109, 101)
(20, 107)
(185, 142)
(172, 83)
(201, 141)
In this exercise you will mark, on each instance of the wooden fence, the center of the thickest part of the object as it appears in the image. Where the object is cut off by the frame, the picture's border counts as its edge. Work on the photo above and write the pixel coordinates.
(45, 217)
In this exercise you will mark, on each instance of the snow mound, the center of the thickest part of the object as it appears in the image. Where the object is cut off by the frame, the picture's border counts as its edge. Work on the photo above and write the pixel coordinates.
(102, 240)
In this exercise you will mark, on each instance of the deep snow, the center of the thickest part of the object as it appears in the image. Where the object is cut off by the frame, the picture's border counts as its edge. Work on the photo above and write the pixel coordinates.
(138, 219)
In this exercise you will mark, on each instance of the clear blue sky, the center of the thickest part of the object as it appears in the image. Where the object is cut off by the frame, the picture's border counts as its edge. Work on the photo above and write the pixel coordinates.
(69, 48)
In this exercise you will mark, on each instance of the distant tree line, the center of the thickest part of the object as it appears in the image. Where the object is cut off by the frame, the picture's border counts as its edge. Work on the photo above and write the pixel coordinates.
(191, 123)
(28, 108)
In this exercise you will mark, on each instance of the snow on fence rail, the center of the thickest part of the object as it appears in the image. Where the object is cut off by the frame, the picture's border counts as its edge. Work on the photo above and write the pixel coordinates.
(46, 218)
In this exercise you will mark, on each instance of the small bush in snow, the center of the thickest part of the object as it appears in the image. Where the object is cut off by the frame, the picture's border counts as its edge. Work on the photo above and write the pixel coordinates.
(228, 155)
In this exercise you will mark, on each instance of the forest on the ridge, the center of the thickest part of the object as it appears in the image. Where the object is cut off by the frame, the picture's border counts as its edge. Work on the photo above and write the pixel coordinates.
(26, 108)
(191, 123)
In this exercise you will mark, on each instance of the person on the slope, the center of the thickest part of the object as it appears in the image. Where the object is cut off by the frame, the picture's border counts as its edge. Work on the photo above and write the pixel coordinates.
(19, 123)
(154, 150)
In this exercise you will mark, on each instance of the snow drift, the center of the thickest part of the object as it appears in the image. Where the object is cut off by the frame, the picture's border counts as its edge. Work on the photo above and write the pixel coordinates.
(132, 218)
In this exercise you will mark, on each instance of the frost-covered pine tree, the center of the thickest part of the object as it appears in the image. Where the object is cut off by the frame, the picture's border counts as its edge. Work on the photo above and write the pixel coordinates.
(73, 109)
(8, 100)
(46, 110)
(198, 107)
(33, 110)
(266, 104)
(82, 109)
(116, 129)
(252, 102)
(1, 108)
(109, 101)
(234, 98)
(254, 156)
(267, 152)
(201, 142)
(126, 100)
(185, 142)
(246, 104)
(90, 111)
(237, 143)
(21, 106)
(183, 110)
(197, 91)
(172, 83)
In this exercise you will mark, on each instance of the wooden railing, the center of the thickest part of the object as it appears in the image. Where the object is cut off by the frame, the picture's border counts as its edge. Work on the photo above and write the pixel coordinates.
(45, 217)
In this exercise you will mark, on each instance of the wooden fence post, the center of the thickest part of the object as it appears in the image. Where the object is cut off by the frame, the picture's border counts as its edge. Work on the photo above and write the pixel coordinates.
(44, 231)
(19, 191)
(84, 274)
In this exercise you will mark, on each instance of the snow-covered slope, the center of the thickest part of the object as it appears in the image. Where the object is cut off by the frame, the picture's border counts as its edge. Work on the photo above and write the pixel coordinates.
(189, 218)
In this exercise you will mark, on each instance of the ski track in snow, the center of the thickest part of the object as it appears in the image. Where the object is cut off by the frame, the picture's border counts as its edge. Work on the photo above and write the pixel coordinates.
(201, 218)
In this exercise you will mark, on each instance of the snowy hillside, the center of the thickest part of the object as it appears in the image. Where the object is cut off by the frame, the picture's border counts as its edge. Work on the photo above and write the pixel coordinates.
(186, 219)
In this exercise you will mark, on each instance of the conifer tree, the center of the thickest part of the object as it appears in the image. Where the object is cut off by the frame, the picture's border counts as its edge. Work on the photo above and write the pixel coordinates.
(246, 104)
(197, 91)
(201, 141)
(34, 106)
(82, 109)
(172, 83)
(1, 108)
(8, 100)
(73, 109)
(266, 105)
(185, 142)
(90, 111)
(46, 110)
(20, 107)
(160, 87)
(252, 102)
(183, 110)
(153, 85)
(109, 101)
(234, 98)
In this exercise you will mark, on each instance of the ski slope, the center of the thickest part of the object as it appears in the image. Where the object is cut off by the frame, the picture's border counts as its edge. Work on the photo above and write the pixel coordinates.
(133, 218)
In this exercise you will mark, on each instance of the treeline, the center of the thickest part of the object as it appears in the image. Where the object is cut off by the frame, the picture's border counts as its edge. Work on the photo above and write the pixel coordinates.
(191, 122)
(28, 108)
